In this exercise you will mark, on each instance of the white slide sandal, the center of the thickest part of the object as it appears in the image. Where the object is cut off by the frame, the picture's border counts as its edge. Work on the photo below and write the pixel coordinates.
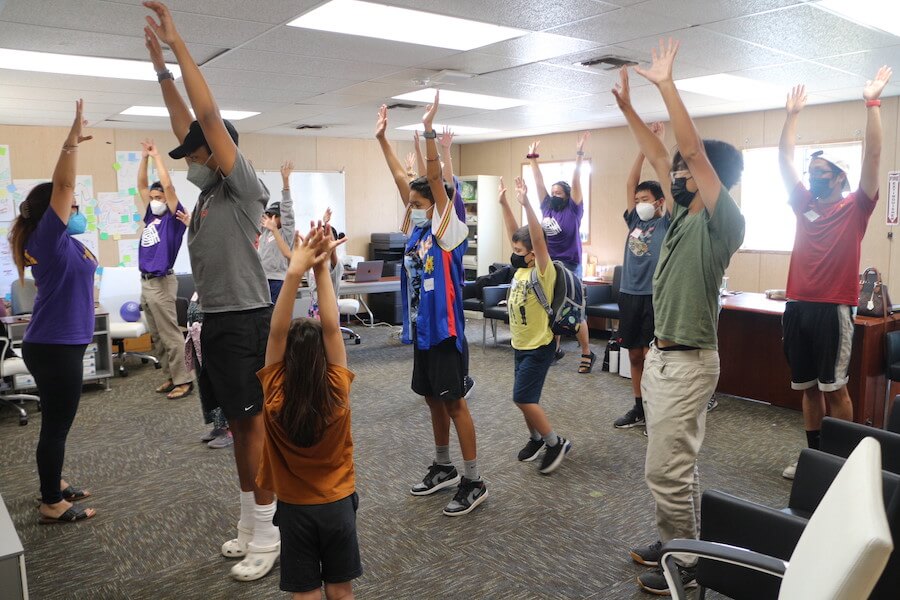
(258, 562)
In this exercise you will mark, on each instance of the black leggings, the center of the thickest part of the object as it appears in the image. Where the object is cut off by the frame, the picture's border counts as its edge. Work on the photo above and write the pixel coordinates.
(58, 371)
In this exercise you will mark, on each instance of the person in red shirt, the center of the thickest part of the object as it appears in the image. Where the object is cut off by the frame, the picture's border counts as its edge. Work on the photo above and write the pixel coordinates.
(823, 280)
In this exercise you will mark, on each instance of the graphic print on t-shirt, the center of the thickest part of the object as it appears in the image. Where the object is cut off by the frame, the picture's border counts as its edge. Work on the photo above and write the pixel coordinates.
(639, 240)
(551, 226)
(518, 292)
(415, 263)
(150, 236)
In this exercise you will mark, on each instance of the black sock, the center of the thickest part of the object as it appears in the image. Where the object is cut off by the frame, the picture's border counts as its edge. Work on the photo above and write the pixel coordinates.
(639, 405)
(812, 438)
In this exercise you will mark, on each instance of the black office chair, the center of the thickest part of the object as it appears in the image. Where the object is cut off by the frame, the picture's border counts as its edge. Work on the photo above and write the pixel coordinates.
(892, 368)
(893, 422)
(841, 438)
(493, 309)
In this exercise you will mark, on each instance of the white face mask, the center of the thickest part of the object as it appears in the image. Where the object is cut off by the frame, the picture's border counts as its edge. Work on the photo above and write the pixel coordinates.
(645, 211)
(419, 217)
(158, 208)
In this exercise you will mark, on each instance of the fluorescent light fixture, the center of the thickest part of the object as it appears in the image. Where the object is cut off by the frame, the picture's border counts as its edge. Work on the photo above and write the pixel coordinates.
(367, 19)
(878, 14)
(456, 129)
(161, 111)
(732, 87)
(452, 98)
(72, 64)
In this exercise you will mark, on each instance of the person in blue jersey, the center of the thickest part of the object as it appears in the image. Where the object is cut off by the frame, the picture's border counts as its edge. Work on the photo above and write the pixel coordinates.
(431, 288)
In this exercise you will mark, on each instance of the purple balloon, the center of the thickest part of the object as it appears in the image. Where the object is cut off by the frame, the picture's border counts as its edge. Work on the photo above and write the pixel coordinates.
(130, 311)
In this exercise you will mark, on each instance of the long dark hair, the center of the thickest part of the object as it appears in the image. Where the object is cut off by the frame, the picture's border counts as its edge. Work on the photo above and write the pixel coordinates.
(308, 401)
(30, 212)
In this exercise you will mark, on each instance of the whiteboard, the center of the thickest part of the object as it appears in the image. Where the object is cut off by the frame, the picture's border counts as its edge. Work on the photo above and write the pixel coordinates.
(312, 192)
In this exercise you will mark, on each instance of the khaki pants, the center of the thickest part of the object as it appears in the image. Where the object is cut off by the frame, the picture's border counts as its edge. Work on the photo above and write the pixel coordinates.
(158, 302)
(676, 386)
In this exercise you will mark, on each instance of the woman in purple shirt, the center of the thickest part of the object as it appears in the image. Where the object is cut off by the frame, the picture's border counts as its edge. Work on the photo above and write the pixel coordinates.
(62, 322)
(562, 211)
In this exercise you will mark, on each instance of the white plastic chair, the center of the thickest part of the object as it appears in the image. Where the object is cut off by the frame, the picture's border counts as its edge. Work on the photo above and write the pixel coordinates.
(349, 307)
(119, 285)
(842, 551)
(10, 367)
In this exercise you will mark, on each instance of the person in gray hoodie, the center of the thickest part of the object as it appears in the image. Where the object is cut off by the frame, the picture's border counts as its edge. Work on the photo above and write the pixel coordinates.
(278, 234)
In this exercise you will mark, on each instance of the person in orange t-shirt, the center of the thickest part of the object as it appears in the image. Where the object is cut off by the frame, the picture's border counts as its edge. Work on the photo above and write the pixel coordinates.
(307, 458)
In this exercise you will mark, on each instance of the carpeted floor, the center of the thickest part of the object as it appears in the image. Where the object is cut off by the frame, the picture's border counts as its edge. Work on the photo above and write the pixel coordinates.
(166, 502)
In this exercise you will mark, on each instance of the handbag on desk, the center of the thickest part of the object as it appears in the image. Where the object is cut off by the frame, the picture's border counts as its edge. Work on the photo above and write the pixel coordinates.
(874, 300)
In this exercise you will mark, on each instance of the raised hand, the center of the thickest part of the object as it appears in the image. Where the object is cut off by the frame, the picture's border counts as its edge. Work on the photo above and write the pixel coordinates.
(446, 138)
(165, 29)
(658, 128)
(521, 191)
(873, 88)
(326, 218)
(78, 125)
(269, 223)
(622, 91)
(796, 100)
(660, 70)
(431, 111)
(184, 217)
(579, 146)
(148, 148)
(156, 53)
(411, 163)
(502, 192)
(533, 147)
(305, 250)
(381, 123)
(286, 168)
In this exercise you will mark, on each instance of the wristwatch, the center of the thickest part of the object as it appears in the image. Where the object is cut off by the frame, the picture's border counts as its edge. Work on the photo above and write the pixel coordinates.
(430, 135)
(163, 75)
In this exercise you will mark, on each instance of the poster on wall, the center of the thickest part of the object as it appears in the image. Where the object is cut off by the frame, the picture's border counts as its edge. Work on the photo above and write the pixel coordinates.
(127, 165)
(117, 214)
(128, 253)
(7, 207)
(893, 203)
(8, 272)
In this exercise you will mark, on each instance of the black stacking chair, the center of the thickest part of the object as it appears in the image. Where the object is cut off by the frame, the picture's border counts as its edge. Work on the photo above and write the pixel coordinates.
(493, 310)
(892, 370)
(841, 438)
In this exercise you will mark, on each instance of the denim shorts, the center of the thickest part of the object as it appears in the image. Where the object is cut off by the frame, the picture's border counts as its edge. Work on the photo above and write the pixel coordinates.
(531, 371)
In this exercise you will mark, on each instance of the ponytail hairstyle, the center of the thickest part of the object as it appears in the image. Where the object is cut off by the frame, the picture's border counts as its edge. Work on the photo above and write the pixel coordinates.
(31, 210)
(308, 401)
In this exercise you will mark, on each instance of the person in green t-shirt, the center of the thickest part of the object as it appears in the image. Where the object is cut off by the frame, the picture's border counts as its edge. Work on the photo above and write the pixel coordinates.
(529, 323)
(682, 367)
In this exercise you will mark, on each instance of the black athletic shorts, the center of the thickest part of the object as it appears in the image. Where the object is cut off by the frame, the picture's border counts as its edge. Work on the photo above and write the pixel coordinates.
(318, 543)
(438, 372)
(635, 320)
(234, 349)
(817, 342)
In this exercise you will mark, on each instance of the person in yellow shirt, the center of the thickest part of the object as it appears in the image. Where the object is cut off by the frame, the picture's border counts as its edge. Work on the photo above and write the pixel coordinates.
(532, 337)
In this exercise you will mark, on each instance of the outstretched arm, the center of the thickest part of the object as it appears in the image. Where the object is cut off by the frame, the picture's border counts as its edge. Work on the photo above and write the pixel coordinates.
(651, 144)
(508, 218)
(796, 100)
(536, 169)
(335, 350)
(420, 158)
(634, 178)
(164, 179)
(269, 223)
(689, 143)
(446, 142)
(577, 196)
(179, 115)
(143, 184)
(202, 101)
(62, 196)
(433, 161)
(390, 157)
(538, 243)
(868, 181)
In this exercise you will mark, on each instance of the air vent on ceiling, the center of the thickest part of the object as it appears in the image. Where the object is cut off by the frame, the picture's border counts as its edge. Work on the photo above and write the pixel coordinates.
(402, 105)
(608, 63)
(305, 126)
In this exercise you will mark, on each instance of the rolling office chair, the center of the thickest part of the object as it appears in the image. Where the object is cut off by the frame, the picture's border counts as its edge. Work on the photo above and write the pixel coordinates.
(349, 307)
(9, 368)
(119, 285)
(23, 295)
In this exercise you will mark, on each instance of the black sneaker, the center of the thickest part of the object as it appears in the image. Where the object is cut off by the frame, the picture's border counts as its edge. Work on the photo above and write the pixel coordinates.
(712, 404)
(647, 555)
(531, 450)
(558, 356)
(655, 582)
(632, 418)
(553, 455)
(438, 478)
(468, 386)
(469, 494)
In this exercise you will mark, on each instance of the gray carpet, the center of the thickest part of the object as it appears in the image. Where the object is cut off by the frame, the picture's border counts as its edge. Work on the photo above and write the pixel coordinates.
(166, 502)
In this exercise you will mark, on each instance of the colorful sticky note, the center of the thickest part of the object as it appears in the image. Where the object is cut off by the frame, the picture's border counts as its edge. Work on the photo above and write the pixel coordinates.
(104, 236)
(11, 187)
(2, 150)
(132, 156)
(127, 258)
(117, 237)
(132, 191)
(123, 219)
(117, 166)
(89, 210)
(121, 264)
(137, 218)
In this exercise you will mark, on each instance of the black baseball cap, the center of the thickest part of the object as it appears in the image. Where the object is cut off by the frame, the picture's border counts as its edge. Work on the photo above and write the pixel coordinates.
(195, 138)
(274, 209)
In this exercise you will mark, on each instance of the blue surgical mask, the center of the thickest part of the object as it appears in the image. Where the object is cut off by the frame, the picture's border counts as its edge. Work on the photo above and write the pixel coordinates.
(77, 224)
(419, 217)
(202, 176)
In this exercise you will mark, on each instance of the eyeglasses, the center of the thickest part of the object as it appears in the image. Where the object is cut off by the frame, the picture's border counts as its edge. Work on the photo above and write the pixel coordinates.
(682, 174)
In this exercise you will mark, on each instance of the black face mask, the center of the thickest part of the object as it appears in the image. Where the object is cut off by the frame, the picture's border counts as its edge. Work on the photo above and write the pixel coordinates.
(557, 203)
(680, 193)
(518, 261)
(820, 187)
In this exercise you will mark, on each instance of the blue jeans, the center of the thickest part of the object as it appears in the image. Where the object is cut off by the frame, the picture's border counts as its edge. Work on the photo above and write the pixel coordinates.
(275, 288)
(531, 371)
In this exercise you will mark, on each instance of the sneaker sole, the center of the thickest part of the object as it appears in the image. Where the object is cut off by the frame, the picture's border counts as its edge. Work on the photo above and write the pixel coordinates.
(533, 456)
(558, 461)
(630, 425)
(442, 485)
(475, 504)
(647, 563)
(689, 585)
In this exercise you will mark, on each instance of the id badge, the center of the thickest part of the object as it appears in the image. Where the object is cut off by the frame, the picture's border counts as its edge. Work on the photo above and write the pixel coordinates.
(811, 215)
(636, 232)
(428, 284)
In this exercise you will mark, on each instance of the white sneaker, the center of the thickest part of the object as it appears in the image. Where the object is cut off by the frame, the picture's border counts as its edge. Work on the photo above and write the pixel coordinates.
(789, 471)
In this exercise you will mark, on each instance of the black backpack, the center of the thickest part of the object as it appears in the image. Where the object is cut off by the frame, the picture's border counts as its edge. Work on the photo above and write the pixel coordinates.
(567, 310)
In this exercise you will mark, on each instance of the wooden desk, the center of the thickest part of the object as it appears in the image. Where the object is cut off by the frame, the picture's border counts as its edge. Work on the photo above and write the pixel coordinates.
(753, 364)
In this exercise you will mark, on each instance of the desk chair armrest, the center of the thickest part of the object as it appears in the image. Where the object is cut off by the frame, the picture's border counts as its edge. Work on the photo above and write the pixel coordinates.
(733, 555)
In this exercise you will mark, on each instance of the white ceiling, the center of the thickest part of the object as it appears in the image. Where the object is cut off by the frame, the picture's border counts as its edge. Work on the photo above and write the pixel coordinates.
(295, 76)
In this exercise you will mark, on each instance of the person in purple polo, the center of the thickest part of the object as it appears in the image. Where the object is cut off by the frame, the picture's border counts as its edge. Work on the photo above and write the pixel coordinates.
(160, 242)
(62, 321)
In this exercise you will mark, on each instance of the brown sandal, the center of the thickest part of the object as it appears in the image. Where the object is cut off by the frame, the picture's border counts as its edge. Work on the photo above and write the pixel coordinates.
(587, 363)
(166, 387)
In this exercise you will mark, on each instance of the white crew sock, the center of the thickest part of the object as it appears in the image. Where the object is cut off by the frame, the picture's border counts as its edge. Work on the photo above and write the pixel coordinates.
(247, 519)
(265, 533)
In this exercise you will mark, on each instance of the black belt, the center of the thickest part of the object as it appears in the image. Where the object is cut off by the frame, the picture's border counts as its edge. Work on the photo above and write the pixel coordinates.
(146, 276)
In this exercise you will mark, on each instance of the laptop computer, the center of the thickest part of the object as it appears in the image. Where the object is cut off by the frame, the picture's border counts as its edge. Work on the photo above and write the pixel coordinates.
(368, 271)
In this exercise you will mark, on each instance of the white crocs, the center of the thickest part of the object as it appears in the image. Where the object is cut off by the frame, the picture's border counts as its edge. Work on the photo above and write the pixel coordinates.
(237, 548)
(258, 562)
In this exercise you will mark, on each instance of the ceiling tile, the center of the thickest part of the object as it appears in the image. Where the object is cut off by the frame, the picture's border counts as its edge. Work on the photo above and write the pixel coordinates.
(699, 12)
(273, 62)
(558, 77)
(273, 12)
(521, 14)
(537, 46)
(815, 77)
(805, 31)
(622, 25)
(865, 64)
(474, 62)
(508, 89)
(276, 81)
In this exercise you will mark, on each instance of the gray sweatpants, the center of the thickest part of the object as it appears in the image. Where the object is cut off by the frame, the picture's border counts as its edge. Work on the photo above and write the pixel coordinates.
(158, 302)
(676, 386)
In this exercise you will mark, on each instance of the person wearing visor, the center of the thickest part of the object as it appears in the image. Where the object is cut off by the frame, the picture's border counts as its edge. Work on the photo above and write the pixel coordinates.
(160, 242)
(823, 278)
(231, 283)
(278, 234)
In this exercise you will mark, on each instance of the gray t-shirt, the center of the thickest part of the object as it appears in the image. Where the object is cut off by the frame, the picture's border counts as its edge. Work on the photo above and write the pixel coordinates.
(273, 261)
(642, 250)
(222, 240)
(695, 254)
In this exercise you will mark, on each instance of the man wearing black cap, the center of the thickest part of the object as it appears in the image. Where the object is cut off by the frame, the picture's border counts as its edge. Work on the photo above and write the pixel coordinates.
(823, 280)
(230, 281)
